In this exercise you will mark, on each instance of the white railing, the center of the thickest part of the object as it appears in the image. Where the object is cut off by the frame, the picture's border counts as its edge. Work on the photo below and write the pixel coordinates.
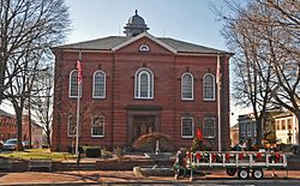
(237, 159)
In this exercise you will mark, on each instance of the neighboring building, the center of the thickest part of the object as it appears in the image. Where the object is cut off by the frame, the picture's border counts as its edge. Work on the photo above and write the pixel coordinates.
(8, 129)
(234, 135)
(286, 128)
(36, 132)
(247, 128)
(7, 126)
(279, 127)
(139, 83)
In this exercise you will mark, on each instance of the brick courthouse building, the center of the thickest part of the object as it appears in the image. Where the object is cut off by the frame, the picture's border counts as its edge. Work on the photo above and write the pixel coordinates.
(137, 84)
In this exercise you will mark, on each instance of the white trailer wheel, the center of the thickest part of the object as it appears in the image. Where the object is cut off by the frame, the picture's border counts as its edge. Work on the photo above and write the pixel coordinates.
(243, 174)
(258, 174)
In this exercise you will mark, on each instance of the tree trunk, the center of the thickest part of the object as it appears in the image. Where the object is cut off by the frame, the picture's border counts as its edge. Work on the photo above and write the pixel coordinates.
(19, 130)
(259, 131)
(48, 138)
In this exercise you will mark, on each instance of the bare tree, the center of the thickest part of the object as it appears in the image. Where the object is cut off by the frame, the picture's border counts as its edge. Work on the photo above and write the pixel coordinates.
(28, 28)
(266, 33)
(251, 85)
(42, 102)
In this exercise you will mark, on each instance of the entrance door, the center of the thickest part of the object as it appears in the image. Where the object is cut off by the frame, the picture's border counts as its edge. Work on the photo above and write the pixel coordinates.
(142, 125)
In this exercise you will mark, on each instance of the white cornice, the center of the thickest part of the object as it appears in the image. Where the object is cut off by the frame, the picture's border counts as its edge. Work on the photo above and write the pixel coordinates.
(149, 36)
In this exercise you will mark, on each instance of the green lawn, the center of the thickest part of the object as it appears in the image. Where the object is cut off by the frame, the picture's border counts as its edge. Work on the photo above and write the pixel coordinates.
(38, 154)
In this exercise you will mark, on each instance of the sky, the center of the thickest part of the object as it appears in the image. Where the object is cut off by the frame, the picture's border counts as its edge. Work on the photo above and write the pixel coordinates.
(192, 21)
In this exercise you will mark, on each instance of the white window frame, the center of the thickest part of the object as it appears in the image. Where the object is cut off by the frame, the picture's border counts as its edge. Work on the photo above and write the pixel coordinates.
(188, 137)
(243, 129)
(70, 83)
(92, 126)
(94, 84)
(214, 87)
(137, 87)
(190, 74)
(70, 117)
(214, 128)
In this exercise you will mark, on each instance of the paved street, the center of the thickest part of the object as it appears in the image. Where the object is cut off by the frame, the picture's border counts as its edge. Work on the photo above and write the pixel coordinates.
(127, 178)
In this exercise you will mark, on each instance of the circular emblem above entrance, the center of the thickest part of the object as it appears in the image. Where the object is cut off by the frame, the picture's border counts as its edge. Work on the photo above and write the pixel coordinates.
(144, 48)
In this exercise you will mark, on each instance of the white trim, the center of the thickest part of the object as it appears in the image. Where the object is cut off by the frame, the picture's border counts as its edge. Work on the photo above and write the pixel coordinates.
(93, 86)
(192, 98)
(149, 36)
(137, 76)
(70, 79)
(110, 51)
(92, 126)
(214, 87)
(214, 127)
(187, 117)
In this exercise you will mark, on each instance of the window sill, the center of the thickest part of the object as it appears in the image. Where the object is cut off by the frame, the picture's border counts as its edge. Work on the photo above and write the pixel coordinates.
(144, 99)
(209, 137)
(74, 97)
(187, 137)
(98, 97)
(209, 100)
(97, 136)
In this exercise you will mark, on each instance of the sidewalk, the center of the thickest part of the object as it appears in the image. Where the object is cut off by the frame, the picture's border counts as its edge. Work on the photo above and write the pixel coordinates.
(81, 177)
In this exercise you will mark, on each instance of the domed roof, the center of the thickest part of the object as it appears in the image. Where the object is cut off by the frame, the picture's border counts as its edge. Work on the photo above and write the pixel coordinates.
(136, 25)
(136, 19)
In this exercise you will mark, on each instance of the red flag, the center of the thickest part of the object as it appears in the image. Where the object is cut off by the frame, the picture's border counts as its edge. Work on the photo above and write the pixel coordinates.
(79, 69)
(199, 134)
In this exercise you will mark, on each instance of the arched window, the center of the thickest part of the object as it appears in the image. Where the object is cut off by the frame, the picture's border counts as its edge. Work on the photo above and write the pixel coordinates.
(71, 126)
(73, 84)
(97, 129)
(187, 86)
(99, 84)
(209, 87)
(144, 84)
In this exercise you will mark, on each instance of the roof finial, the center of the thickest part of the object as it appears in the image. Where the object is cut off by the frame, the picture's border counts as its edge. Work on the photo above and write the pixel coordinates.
(136, 11)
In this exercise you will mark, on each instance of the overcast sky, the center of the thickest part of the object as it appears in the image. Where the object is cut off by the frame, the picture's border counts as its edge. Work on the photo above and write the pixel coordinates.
(191, 21)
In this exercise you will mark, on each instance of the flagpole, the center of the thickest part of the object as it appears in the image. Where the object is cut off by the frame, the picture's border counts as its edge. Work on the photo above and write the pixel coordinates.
(219, 101)
(78, 110)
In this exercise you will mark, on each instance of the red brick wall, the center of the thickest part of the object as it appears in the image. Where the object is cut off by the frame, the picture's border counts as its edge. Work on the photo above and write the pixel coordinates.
(120, 68)
(8, 129)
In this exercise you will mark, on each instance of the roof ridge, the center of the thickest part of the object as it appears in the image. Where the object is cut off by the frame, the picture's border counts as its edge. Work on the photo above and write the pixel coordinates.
(190, 43)
(92, 40)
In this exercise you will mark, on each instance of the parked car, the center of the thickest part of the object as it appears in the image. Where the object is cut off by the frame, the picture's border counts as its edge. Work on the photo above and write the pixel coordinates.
(10, 144)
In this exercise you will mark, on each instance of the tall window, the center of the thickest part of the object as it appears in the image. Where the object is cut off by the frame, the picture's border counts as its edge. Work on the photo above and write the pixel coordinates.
(249, 129)
(187, 86)
(73, 84)
(99, 84)
(290, 124)
(97, 129)
(144, 84)
(283, 125)
(242, 129)
(209, 87)
(209, 127)
(277, 125)
(187, 127)
(71, 126)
